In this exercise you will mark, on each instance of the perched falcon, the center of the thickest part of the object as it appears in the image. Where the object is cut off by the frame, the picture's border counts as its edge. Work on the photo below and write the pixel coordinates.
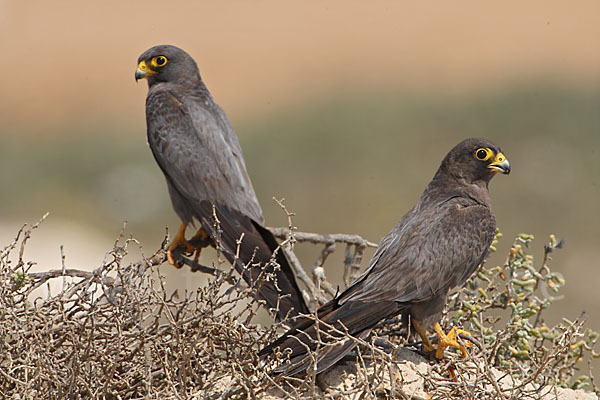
(436, 246)
(201, 158)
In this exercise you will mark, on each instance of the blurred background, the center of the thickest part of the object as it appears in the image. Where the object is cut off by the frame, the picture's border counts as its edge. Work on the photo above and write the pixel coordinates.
(343, 108)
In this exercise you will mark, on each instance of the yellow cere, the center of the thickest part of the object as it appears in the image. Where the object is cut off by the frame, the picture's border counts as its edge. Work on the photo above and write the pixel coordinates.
(142, 66)
(499, 158)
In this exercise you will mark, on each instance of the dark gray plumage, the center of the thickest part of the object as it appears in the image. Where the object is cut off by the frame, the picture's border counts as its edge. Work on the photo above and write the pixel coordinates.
(201, 158)
(436, 246)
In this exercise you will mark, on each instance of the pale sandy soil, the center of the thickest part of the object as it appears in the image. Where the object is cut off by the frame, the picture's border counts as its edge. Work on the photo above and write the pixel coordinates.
(407, 383)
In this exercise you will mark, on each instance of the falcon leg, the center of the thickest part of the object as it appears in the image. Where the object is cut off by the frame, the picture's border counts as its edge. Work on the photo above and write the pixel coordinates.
(179, 245)
(199, 241)
(449, 340)
(427, 346)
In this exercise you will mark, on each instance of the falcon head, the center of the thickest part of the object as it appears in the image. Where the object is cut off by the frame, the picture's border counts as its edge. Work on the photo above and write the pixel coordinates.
(474, 160)
(166, 63)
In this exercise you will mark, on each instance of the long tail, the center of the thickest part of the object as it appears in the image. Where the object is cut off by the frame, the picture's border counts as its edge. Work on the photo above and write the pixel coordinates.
(256, 249)
(320, 344)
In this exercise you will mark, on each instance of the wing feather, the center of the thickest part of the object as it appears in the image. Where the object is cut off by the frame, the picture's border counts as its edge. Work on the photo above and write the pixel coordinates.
(198, 153)
(432, 250)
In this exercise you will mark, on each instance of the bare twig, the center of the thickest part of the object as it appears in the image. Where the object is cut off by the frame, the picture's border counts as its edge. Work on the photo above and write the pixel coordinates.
(316, 238)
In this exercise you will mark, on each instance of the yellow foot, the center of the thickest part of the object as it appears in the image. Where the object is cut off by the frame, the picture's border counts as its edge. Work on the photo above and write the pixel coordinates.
(449, 340)
(178, 246)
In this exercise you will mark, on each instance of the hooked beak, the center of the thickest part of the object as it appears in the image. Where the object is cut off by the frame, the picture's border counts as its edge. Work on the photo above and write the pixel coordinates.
(143, 71)
(500, 164)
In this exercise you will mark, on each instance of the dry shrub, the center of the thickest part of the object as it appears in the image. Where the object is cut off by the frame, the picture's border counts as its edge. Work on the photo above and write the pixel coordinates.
(117, 333)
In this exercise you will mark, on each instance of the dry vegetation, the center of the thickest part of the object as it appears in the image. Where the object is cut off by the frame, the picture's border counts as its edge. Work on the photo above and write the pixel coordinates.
(117, 333)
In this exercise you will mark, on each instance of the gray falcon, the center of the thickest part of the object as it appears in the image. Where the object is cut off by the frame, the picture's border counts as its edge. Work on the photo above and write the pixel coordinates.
(201, 158)
(436, 246)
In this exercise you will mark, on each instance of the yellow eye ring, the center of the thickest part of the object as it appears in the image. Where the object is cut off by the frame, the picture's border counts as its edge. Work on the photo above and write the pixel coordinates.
(159, 61)
(483, 154)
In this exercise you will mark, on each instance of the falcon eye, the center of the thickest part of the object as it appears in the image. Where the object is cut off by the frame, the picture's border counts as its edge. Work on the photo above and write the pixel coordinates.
(483, 154)
(159, 61)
